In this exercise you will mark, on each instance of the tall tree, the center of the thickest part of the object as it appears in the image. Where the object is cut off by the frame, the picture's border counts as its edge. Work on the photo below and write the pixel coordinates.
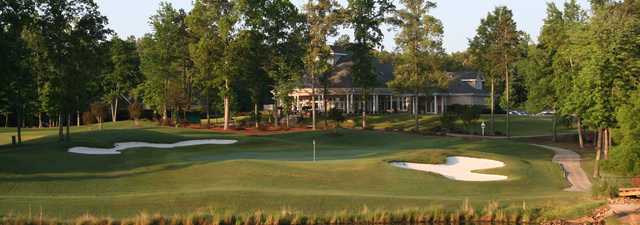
(322, 18)
(15, 18)
(277, 28)
(124, 75)
(72, 33)
(164, 61)
(206, 22)
(366, 18)
(557, 60)
(496, 48)
(419, 68)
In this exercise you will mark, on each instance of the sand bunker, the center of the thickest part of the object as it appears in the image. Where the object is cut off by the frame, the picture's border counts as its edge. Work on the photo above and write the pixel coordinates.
(126, 145)
(459, 168)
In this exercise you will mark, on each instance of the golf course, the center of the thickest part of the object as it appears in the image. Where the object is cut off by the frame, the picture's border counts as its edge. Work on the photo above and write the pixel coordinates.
(267, 173)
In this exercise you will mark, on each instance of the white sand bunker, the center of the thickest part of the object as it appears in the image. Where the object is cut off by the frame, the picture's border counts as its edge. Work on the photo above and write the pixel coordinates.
(126, 145)
(459, 168)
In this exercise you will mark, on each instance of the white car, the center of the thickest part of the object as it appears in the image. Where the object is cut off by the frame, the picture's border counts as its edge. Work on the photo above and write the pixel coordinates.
(518, 113)
(546, 113)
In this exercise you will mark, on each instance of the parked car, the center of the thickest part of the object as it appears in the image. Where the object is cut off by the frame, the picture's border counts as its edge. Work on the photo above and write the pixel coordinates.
(518, 113)
(546, 113)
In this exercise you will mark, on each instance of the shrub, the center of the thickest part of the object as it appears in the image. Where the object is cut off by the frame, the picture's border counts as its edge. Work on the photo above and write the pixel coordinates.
(604, 189)
(88, 118)
(337, 116)
(625, 159)
(98, 110)
(470, 114)
(448, 121)
(135, 111)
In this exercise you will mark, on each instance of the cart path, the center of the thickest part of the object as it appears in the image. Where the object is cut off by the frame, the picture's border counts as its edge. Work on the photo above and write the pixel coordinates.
(570, 162)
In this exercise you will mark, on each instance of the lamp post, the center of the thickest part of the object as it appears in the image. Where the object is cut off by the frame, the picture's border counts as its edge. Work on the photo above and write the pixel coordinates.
(483, 125)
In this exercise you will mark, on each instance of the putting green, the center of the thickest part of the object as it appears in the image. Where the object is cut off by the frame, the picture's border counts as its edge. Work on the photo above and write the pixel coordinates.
(266, 172)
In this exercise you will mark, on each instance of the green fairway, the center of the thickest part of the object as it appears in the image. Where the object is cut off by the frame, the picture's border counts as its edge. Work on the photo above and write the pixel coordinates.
(266, 172)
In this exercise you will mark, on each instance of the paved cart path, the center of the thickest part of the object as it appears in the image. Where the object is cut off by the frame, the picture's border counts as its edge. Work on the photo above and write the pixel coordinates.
(570, 161)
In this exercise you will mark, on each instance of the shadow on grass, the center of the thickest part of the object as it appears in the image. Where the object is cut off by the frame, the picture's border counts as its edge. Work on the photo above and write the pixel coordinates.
(49, 155)
(45, 178)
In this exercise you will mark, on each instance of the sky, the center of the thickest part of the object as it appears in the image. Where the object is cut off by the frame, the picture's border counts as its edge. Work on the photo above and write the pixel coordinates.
(459, 17)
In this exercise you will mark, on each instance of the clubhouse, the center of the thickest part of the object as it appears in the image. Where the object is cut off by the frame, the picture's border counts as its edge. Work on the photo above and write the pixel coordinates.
(464, 88)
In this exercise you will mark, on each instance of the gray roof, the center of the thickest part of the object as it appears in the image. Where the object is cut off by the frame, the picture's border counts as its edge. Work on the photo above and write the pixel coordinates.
(459, 87)
(466, 75)
(340, 77)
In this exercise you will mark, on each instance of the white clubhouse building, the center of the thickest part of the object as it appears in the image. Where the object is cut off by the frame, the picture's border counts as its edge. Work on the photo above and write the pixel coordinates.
(465, 88)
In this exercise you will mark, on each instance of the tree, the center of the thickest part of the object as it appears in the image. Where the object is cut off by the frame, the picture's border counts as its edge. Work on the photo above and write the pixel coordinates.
(343, 41)
(165, 62)
(495, 48)
(15, 18)
(207, 49)
(420, 39)
(322, 18)
(135, 111)
(458, 61)
(72, 33)
(626, 159)
(552, 65)
(98, 111)
(277, 50)
(228, 20)
(124, 75)
(609, 61)
(366, 18)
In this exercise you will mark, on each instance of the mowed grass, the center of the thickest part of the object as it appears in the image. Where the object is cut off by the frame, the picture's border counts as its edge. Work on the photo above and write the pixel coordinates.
(262, 173)
(520, 125)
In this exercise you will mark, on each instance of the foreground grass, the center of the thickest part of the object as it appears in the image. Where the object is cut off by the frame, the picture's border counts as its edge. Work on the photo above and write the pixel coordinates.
(492, 213)
(263, 174)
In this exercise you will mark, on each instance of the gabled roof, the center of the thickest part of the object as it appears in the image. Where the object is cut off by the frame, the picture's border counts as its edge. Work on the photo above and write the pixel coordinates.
(341, 76)
(459, 87)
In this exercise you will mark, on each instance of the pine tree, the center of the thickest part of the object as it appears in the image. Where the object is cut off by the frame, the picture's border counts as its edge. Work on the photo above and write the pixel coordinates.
(366, 17)
(419, 69)
(496, 48)
(322, 18)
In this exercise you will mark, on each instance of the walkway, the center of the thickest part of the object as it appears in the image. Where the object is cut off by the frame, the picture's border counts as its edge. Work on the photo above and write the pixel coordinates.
(570, 162)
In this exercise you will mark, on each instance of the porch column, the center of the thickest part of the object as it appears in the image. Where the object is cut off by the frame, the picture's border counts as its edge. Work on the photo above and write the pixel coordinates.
(435, 104)
(415, 105)
(386, 103)
(391, 99)
(426, 105)
(344, 104)
(376, 105)
(348, 102)
(442, 104)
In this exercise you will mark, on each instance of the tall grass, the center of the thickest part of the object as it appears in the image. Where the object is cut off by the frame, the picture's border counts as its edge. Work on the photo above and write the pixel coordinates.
(492, 212)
